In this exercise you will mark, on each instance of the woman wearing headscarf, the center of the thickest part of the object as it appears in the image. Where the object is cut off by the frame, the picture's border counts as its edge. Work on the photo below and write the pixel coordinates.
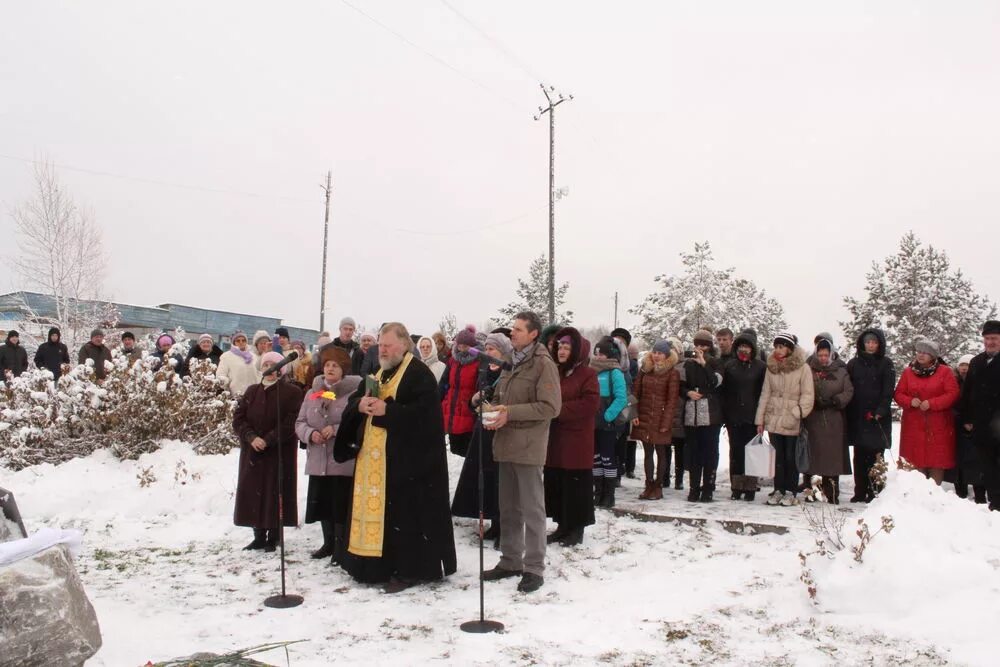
(742, 383)
(657, 388)
(788, 398)
(927, 392)
(869, 416)
(330, 483)
(457, 385)
(236, 366)
(827, 423)
(614, 399)
(429, 355)
(260, 435)
(702, 416)
(466, 501)
(569, 462)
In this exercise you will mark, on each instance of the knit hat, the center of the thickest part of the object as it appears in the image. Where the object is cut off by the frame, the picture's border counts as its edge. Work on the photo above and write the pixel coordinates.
(663, 347)
(260, 335)
(274, 358)
(927, 346)
(164, 338)
(608, 347)
(128, 335)
(789, 340)
(339, 355)
(237, 334)
(299, 344)
(282, 331)
(991, 327)
(705, 337)
(966, 359)
(348, 321)
(500, 342)
(623, 334)
(207, 337)
(466, 336)
(95, 332)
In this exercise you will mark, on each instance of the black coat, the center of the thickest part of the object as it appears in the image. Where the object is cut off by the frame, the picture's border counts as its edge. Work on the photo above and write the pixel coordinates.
(13, 358)
(369, 365)
(52, 355)
(180, 368)
(742, 383)
(98, 354)
(869, 414)
(196, 353)
(705, 380)
(419, 541)
(980, 402)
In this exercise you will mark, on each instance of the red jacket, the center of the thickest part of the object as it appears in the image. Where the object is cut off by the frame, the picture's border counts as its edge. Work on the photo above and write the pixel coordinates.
(927, 439)
(571, 434)
(458, 384)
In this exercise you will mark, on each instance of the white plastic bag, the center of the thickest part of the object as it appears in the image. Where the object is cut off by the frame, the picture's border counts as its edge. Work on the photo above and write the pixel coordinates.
(758, 458)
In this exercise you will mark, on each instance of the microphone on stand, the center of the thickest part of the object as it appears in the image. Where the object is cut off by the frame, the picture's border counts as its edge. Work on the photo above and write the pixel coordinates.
(484, 358)
(292, 356)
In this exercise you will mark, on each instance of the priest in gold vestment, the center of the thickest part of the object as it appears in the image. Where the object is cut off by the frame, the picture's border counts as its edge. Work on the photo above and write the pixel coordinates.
(399, 530)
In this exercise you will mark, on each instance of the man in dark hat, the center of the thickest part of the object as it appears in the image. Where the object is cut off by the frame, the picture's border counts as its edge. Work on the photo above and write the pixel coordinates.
(979, 409)
(96, 351)
(13, 358)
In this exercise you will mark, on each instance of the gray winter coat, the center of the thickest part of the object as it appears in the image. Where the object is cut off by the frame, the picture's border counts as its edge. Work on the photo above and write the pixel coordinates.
(317, 413)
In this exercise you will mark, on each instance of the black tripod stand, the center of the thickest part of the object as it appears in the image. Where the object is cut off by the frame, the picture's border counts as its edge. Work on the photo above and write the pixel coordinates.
(481, 626)
(282, 601)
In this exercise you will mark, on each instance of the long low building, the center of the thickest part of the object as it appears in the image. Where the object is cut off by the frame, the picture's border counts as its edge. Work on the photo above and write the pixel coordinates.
(17, 307)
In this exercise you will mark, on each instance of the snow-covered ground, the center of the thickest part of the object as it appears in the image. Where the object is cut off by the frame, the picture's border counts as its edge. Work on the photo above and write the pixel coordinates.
(163, 566)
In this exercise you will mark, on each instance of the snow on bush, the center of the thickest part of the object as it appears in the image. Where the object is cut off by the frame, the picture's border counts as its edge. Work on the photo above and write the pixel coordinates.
(136, 407)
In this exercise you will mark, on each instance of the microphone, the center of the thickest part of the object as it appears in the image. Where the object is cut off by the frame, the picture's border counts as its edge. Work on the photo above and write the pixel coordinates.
(484, 358)
(292, 356)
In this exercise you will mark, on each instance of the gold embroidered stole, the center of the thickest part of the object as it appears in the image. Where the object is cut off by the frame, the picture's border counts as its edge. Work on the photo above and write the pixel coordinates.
(368, 508)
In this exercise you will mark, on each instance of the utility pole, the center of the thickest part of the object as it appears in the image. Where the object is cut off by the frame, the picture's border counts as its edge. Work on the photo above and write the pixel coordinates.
(616, 310)
(551, 110)
(326, 234)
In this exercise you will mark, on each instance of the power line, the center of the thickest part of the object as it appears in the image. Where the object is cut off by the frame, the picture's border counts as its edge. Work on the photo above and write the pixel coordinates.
(435, 58)
(139, 179)
(497, 44)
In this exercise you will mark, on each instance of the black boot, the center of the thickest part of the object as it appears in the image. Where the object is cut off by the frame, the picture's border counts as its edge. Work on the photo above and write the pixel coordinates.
(708, 486)
(608, 497)
(694, 481)
(272, 541)
(259, 540)
(339, 543)
(572, 537)
(492, 532)
(679, 469)
(979, 494)
(598, 491)
(749, 496)
(326, 550)
(556, 535)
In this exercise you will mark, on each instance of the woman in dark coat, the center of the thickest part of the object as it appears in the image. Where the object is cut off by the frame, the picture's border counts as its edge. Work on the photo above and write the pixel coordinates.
(869, 415)
(569, 462)
(256, 424)
(826, 424)
(658, 390)
(967, 468)
(330, 483)
(702, 417)
(742, 382)
(466, 502)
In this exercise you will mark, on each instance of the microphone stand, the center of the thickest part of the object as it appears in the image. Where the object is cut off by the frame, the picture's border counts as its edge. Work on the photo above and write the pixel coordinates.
(282, 601)
(481, 626)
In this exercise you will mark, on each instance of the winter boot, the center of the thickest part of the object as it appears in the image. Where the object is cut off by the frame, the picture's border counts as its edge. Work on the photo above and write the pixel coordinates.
(493, 531)
(598, 491)
(647, 493)
(679, 469)
(657, 491)
(572, 537)
(326, 550)
(339, 543)
(708, 486)
(608, 498)
(979, 494)
(749, 496)
(259, 540)
(272, 541)
(695, 482)
(558, 534)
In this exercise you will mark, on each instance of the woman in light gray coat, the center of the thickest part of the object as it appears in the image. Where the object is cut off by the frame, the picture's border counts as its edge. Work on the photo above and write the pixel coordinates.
(330, 483)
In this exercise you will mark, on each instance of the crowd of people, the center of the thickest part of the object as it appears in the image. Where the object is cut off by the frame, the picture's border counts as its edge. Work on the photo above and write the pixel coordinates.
(548, 423)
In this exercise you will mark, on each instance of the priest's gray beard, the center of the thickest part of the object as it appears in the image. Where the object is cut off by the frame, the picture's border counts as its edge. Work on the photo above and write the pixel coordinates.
(390, 362)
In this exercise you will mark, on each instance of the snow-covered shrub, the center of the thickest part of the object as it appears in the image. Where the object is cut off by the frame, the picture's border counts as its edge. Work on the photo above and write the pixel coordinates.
(137, 406)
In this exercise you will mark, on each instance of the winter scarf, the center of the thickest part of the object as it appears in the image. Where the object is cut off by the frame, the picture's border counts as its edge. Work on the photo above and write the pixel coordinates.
(924, 371)
(601, 365)
(520, 356)
(464, 358)
(245, 355)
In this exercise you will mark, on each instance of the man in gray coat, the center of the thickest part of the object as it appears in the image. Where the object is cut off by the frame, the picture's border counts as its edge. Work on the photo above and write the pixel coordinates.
(527, 399)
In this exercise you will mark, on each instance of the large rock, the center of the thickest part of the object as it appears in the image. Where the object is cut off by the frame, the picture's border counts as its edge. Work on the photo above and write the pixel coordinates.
(45, 616)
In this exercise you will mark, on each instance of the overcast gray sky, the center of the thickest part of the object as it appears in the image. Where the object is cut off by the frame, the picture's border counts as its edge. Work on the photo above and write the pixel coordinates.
(802, 139)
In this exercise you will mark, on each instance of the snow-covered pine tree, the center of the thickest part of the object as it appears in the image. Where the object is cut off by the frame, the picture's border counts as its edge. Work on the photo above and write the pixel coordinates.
(448, 326)
(914, 293)
(705, 297)
(533, 295)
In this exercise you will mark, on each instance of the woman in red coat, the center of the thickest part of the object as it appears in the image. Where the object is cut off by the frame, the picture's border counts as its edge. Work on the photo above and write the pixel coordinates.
(926, 392)
(569, 464)
(457, 385)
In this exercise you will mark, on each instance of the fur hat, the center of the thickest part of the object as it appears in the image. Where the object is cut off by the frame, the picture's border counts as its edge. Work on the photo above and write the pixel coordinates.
(623, 334)
(260, 335)
(663, 347)
(466, 336)
(789, 340)
(991, 327)
(927, 346)
(500, 342)
(339, 355)
(704, 336)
